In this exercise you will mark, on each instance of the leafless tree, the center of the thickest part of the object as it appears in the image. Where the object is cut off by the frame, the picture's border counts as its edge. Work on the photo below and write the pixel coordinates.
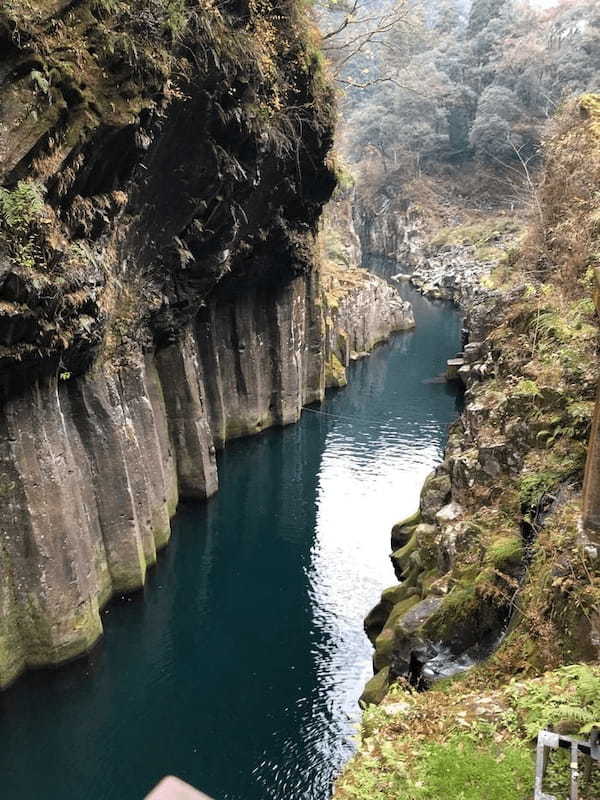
(357, 33)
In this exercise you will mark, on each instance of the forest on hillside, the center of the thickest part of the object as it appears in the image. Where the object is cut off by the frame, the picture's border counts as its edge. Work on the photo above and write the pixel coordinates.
(438, 87)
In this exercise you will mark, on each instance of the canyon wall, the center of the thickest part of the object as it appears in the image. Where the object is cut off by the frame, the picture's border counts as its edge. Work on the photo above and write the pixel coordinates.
(389, 226)
(93, 467)
(499, 564)
(162, 173)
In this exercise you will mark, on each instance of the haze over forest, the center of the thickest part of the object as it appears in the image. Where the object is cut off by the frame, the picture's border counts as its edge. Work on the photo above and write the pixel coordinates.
(437, 86)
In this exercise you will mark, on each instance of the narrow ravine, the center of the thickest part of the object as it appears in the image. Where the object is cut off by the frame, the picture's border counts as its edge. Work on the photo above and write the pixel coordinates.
(240, 666)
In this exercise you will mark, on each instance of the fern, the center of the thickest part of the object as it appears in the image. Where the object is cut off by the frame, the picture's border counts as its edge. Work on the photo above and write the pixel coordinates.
(575, 698)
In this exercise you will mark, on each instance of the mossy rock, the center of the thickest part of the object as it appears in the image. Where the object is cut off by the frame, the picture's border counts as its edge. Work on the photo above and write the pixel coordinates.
(412, 576)
(335, 373)
(376, 689)
(427, 579)
(427, 544)
(464, 618)
(506, 553)
(384, 646)
(402, 531)
(434, 495)
(402, 607)
(378, 616)
(400, 558)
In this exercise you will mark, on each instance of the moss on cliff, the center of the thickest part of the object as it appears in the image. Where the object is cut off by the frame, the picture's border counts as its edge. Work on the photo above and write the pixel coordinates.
(154, 133)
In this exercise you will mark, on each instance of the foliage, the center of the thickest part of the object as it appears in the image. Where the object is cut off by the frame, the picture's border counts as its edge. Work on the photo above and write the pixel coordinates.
(447, 89)
(21, 207)
(470, 743)
(533, 486)
(21, 210)
(464, 769)
(527, 388)
(565, 241)
(571, 695)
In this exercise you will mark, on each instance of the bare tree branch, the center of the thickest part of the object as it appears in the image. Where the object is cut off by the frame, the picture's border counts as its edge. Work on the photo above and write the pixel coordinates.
(347, 21)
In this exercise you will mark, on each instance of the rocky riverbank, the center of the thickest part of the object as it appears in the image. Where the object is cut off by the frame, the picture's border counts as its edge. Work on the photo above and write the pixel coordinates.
(516, 454)
(456, 263)
(497, 569)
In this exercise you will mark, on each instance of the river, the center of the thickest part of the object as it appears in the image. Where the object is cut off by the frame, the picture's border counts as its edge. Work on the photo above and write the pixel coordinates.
(240, 666)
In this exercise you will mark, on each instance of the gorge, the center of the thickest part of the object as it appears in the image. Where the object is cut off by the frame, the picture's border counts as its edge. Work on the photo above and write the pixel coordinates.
(240, 666)
(200, 468)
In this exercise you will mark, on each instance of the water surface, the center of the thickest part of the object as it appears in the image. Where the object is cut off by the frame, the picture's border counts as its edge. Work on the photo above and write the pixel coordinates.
(240, 666)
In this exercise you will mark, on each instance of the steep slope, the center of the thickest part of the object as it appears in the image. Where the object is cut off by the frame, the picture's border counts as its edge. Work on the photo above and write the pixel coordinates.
(500, 563)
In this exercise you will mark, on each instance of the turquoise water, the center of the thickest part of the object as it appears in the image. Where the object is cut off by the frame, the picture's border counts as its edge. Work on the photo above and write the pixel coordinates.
(240, 666)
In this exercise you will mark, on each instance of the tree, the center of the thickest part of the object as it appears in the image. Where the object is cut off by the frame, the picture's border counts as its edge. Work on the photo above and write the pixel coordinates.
(491, 139)
(481, 14)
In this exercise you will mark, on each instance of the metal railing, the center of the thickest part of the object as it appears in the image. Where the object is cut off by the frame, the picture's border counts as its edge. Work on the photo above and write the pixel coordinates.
(548, 740)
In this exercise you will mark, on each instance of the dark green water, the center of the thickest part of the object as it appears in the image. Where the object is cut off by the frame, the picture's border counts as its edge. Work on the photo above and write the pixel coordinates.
(240, 666)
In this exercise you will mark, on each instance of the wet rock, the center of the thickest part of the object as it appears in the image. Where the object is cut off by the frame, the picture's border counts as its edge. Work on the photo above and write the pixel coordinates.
(411, 648)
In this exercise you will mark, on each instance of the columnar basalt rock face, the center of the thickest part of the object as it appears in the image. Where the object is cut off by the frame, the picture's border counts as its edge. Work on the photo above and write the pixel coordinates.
(162, 176)
(93, 467)
(361, 309)
(162, 173)
(392, 229)
(261, 355)
(365, 316)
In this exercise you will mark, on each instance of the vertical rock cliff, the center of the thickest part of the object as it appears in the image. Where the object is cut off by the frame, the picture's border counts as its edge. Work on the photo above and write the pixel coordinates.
(163, 166)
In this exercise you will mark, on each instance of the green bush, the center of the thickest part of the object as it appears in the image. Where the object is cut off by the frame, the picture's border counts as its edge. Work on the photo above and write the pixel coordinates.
(21, 210)
(21, 207)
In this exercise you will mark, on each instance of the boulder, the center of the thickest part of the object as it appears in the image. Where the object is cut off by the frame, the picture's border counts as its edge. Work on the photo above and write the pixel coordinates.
(376, 689)
(449, 513)
(434, 495)
(403, 530)
(379, 614)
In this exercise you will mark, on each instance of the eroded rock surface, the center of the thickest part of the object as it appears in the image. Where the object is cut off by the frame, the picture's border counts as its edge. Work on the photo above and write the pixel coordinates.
(162, 175)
